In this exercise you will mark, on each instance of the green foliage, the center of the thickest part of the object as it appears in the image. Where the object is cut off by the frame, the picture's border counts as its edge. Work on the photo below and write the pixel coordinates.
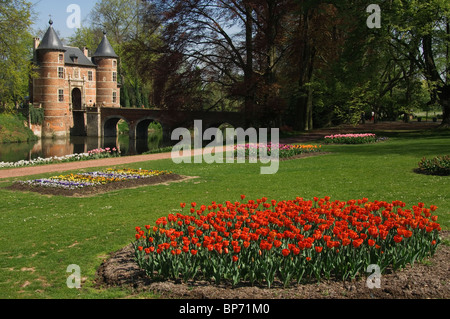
(124, 97)
(422, 37)
(36, 115)
(354, 69)
(15, 51)
(366, 138)
(439, 165)
(123, 127)
(86, 37)
(13, 129)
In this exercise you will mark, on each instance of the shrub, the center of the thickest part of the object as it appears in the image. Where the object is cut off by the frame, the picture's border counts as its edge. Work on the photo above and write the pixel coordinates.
(36, 115)
(439, 165)
(351, 138)
(258, 241)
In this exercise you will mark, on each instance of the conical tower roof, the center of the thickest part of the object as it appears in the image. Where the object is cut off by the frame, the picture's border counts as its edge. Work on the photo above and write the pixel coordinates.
(51, 41)
(105, 50)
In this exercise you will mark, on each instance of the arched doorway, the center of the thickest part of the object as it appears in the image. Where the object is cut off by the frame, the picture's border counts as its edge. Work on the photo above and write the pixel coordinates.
(76, 99)
(79, 123)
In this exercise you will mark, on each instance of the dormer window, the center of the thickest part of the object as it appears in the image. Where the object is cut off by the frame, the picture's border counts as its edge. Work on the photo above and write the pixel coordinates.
(74, 58)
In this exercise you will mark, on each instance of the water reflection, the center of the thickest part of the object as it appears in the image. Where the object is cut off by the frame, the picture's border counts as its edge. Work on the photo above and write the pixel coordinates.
(45, 148)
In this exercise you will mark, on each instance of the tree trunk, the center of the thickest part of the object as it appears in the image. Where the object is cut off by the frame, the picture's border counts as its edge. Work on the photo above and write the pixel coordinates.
(444, 97)
(271, 49)
(248, 71)
(444, 101)
(440, 88)
(309, 110)
(303, 107)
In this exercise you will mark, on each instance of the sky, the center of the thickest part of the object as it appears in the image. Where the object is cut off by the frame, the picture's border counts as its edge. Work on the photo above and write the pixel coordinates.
(58, 9)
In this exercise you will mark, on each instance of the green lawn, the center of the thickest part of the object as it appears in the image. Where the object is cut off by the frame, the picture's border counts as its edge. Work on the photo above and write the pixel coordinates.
(41, 236)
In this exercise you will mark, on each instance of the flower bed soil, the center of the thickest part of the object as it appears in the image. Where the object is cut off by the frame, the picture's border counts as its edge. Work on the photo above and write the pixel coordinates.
(95, 190)
(423, 280)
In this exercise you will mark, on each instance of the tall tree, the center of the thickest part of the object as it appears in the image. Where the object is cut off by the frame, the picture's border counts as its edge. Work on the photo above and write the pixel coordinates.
(234, 42)
(423, 36)
(313, 44)
(15, 51)
(123, 20)
(86, 36)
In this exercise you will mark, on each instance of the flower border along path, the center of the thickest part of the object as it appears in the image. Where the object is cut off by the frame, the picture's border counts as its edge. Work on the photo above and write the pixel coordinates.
(309, 137)
(36, 170)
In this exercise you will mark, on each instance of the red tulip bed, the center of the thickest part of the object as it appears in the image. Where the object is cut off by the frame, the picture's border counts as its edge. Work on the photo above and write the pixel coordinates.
(260, 241)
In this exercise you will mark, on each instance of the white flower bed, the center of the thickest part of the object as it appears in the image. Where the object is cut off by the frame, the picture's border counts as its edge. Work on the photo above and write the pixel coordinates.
(97, 153)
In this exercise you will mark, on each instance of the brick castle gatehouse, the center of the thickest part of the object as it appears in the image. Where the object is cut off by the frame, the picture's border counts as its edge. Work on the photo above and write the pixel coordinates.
(69, 80)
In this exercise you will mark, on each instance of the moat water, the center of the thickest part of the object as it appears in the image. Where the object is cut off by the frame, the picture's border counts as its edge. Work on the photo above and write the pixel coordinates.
(45, 148)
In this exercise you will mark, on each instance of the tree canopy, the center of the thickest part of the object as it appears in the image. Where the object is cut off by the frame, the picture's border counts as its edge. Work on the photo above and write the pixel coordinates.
(15, 51)
(286, 63)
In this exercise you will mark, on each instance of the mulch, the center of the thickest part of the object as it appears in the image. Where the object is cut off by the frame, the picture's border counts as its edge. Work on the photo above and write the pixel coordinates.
(428, 279)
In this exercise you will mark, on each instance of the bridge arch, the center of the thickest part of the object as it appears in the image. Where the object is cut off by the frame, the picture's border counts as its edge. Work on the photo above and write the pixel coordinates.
(110, 125)
(142, 127)
(103, 121)
(221, 126)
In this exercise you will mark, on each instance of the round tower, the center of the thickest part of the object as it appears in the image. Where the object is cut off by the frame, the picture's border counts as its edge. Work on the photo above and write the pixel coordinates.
(108, 92)
(49, 86)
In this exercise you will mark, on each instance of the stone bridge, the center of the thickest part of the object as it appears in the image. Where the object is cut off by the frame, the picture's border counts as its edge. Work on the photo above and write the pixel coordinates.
(102, 122)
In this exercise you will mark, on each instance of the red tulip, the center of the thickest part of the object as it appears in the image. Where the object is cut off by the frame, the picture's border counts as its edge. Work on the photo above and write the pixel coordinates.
(285, 252)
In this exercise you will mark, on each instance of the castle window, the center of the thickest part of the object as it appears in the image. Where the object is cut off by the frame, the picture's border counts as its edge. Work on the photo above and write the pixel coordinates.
(114, 97)
(61, 73)
(61, 95)
(114, 63)
(61, 58)
(90, 76)
(114, 76)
